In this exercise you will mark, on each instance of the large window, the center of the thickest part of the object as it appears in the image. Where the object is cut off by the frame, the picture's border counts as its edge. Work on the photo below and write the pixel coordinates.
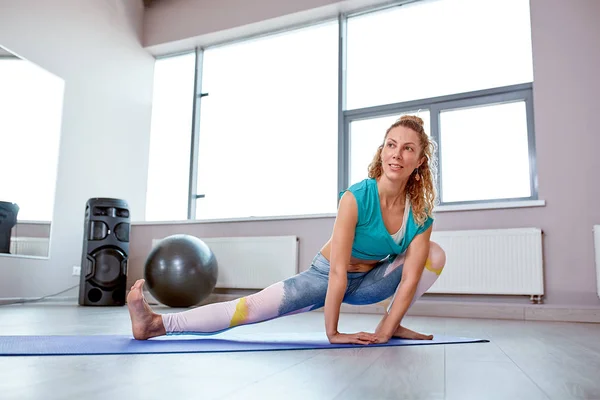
(268, 126)
(485, 152)
(433, 48)
(277, 125)
(473, 73)
(170, 140)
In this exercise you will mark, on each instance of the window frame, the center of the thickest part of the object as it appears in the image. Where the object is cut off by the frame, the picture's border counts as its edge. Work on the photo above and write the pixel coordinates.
(193, 194)
(435, 105)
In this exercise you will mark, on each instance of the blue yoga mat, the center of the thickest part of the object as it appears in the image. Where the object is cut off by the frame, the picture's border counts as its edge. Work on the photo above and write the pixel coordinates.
(125, 344)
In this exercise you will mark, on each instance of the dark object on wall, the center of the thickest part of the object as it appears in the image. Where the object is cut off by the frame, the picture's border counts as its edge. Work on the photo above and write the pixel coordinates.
(8, 219)
(105, 253)
(181, 271)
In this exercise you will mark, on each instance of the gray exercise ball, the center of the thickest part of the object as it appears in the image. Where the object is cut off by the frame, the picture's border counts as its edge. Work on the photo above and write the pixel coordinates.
(181, 271)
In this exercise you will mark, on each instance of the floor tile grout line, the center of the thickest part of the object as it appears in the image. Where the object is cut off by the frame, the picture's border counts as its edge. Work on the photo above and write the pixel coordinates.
(359, 373)
(273, 374)
(445, 375)
(523, 371)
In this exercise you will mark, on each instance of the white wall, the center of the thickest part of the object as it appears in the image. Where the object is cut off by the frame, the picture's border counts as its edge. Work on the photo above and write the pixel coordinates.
(95, 46)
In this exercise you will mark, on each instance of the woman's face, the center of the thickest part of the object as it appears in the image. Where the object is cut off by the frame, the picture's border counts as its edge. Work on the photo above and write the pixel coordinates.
(401, 153)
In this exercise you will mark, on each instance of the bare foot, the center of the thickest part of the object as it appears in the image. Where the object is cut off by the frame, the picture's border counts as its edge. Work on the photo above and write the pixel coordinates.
(405, 333)
(144, 322)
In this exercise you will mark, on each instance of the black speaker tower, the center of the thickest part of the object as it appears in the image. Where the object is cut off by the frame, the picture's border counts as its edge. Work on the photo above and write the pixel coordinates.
(105, 253)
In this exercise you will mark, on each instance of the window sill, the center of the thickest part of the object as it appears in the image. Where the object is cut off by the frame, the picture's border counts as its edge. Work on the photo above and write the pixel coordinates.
(491, 205)
(246, 219)
(461, 207)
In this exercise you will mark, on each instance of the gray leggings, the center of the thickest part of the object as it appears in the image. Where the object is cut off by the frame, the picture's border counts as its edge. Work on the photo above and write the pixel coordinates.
(309, 288)
(303, 292)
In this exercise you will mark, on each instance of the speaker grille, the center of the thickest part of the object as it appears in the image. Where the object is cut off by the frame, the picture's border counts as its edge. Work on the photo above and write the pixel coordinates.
(98, 230)
(108, 263)
(122, 232)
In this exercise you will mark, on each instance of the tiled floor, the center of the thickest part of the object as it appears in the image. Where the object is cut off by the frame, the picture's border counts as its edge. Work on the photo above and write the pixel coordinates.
(523, 360)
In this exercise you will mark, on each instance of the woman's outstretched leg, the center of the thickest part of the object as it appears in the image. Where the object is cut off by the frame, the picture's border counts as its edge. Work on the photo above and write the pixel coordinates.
(300, 293)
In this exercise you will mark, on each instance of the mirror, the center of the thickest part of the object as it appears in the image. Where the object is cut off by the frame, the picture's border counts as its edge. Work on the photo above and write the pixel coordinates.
(31, 102)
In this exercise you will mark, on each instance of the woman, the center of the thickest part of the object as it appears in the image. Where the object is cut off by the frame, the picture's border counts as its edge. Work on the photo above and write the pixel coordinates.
(380, 248)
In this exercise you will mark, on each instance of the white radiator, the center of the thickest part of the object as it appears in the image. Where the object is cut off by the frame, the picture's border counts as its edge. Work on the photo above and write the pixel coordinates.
(498, 261)
(29, 246)
(253, 262)
(597, 251)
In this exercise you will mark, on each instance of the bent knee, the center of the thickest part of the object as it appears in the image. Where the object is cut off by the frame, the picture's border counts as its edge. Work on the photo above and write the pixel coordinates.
(437, 258)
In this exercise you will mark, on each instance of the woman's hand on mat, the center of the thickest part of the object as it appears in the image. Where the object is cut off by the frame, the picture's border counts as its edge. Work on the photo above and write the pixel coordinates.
(384, 331)
(352, 338)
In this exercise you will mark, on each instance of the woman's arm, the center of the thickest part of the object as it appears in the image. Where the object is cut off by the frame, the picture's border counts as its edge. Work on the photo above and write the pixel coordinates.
(414, 263)
(341, 249)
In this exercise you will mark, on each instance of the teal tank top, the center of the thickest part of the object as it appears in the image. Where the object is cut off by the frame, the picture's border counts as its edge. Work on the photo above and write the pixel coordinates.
(372, 241)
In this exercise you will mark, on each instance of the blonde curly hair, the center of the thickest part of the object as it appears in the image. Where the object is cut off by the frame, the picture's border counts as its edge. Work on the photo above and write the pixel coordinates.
(422, 192)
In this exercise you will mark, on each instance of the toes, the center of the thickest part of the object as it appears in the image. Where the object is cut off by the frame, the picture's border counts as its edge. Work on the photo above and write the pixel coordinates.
(138, 284)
